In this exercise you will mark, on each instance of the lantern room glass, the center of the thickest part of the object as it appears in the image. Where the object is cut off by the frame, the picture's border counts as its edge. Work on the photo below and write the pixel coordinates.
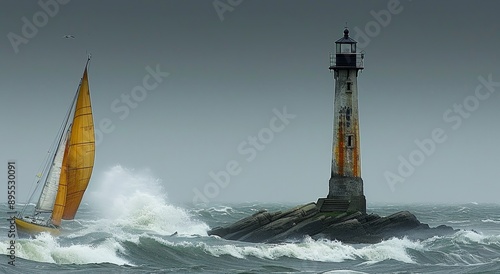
(346, 48)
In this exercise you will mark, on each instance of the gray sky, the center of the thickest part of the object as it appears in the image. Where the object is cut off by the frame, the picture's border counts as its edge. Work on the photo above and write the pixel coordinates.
(229, 69)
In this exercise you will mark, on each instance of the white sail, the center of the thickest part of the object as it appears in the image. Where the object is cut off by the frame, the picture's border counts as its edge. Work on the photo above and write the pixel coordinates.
(49, 191)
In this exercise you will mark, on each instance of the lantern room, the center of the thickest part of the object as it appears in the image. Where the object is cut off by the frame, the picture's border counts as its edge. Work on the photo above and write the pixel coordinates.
(345, 54)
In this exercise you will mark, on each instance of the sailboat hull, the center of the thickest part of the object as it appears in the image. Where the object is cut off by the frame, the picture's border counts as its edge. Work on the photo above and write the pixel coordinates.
(33, 228)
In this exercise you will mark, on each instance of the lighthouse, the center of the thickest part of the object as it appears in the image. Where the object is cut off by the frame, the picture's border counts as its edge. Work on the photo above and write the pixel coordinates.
(345, 185)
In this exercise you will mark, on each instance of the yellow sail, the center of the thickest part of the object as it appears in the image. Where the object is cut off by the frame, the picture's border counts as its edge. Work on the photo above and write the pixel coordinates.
(79, 157)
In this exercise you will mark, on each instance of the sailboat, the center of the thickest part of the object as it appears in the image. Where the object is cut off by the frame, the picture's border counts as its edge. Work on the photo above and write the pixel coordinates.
(67, 170)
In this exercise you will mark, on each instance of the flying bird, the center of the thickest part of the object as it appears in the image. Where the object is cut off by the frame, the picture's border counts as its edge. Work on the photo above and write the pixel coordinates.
(69, 36)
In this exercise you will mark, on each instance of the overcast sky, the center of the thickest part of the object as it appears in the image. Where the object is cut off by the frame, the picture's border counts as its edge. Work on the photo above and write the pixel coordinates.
(232, 66)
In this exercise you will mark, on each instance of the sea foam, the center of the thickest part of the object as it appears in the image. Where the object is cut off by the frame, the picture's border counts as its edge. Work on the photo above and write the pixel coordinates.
(491, 221)
(128, 199)
(46, 248)
(311, 250)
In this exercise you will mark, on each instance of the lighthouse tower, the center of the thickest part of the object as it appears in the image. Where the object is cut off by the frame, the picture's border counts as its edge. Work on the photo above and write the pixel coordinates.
(346, 185)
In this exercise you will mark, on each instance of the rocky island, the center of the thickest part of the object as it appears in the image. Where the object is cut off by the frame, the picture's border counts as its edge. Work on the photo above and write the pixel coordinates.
(348, 227)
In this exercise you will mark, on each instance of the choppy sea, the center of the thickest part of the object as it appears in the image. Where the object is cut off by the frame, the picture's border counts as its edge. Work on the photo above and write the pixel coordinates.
(132, 233)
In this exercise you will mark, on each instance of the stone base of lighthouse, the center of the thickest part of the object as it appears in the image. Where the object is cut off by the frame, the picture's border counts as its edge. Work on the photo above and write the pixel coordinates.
(345, 195)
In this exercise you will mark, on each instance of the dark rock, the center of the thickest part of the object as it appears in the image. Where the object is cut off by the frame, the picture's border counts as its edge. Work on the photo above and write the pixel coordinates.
(393, 224)
(282, 223)
(349, 227)
(244, 225)
(310, 226)
(268, 231)
(345, 231)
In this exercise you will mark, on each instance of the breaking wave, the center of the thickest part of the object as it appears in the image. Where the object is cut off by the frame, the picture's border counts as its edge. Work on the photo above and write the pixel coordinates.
(491, 221)
(48, 249)
(311, 250)
(136, 200)
(130, 205)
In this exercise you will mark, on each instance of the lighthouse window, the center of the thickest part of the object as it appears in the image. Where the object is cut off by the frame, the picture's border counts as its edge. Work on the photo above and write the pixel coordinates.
(350, 141)
(345, 48)
(349, 84)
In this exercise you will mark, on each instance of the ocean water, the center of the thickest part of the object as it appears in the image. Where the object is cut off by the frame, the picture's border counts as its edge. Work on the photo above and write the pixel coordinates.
(133, 234)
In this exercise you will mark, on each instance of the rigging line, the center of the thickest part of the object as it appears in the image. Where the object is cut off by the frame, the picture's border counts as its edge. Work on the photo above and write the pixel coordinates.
(36, 180)
(47, 165)
(59, 137)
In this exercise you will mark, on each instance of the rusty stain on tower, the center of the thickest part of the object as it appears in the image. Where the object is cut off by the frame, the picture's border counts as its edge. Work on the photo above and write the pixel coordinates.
(346, 185)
